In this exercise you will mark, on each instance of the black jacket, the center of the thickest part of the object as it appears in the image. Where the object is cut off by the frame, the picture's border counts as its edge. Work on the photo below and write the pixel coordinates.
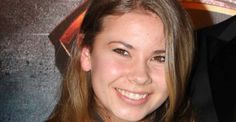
(213, 88)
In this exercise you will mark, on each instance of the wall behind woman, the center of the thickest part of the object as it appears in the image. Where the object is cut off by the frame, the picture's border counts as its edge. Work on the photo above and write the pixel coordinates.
(208, 12)
(28, 74)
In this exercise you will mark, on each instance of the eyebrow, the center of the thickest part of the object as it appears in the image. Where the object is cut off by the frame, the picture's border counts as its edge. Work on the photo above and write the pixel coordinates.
(159, 51)
(131, 47)
(123, 43)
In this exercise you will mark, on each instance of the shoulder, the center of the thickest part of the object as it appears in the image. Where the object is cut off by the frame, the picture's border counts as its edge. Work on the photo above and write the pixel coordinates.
(217, 47)
(221, 30)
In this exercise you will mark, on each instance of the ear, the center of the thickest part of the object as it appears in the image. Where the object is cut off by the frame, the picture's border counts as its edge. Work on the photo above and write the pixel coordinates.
(85, 59)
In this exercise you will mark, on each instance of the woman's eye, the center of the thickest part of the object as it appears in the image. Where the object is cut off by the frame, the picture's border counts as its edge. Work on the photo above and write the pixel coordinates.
(121, 52)
(160, 59)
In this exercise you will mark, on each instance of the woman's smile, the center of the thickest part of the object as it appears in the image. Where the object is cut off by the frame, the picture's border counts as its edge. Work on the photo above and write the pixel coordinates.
(130, 97)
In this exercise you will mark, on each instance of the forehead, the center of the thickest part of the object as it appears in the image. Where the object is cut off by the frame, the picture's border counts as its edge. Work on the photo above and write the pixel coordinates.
(136, 26)
(130, 18)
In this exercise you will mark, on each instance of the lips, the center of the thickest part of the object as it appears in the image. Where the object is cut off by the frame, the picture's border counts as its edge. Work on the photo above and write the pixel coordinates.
(132, 95)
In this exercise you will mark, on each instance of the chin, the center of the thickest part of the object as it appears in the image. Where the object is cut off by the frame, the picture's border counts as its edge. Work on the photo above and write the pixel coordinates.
(131, 117)
(135, 119)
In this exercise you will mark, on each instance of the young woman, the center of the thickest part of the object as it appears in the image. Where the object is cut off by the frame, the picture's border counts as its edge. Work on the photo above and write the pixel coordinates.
(131, 62)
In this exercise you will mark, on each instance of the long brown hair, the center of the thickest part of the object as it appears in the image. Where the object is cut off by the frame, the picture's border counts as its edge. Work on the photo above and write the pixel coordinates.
(76, 102)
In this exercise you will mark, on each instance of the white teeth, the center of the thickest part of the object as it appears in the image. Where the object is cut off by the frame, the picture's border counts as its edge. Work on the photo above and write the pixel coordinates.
(130, 95)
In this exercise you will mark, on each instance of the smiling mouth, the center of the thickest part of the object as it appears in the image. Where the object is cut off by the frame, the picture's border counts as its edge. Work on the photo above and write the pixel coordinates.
(131, 95)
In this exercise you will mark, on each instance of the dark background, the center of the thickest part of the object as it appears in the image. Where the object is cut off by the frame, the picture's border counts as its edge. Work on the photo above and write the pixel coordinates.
(29, 78)
(29, 75)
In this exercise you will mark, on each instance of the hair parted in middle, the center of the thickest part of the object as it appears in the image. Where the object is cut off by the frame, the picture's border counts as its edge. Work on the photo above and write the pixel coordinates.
(77, 98)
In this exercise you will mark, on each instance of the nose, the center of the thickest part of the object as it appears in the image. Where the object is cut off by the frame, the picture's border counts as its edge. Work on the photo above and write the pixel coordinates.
(139, 74)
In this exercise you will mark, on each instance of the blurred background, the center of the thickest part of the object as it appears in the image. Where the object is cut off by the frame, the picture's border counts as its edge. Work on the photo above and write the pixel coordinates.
(30, 71)
(29, 78)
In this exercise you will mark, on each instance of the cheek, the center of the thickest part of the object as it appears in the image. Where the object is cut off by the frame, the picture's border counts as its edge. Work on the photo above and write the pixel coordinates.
(106, 68)
(105, 73)
(159, 78)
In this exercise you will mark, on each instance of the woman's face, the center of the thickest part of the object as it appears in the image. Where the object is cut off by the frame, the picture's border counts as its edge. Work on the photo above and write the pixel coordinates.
(127, 65)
